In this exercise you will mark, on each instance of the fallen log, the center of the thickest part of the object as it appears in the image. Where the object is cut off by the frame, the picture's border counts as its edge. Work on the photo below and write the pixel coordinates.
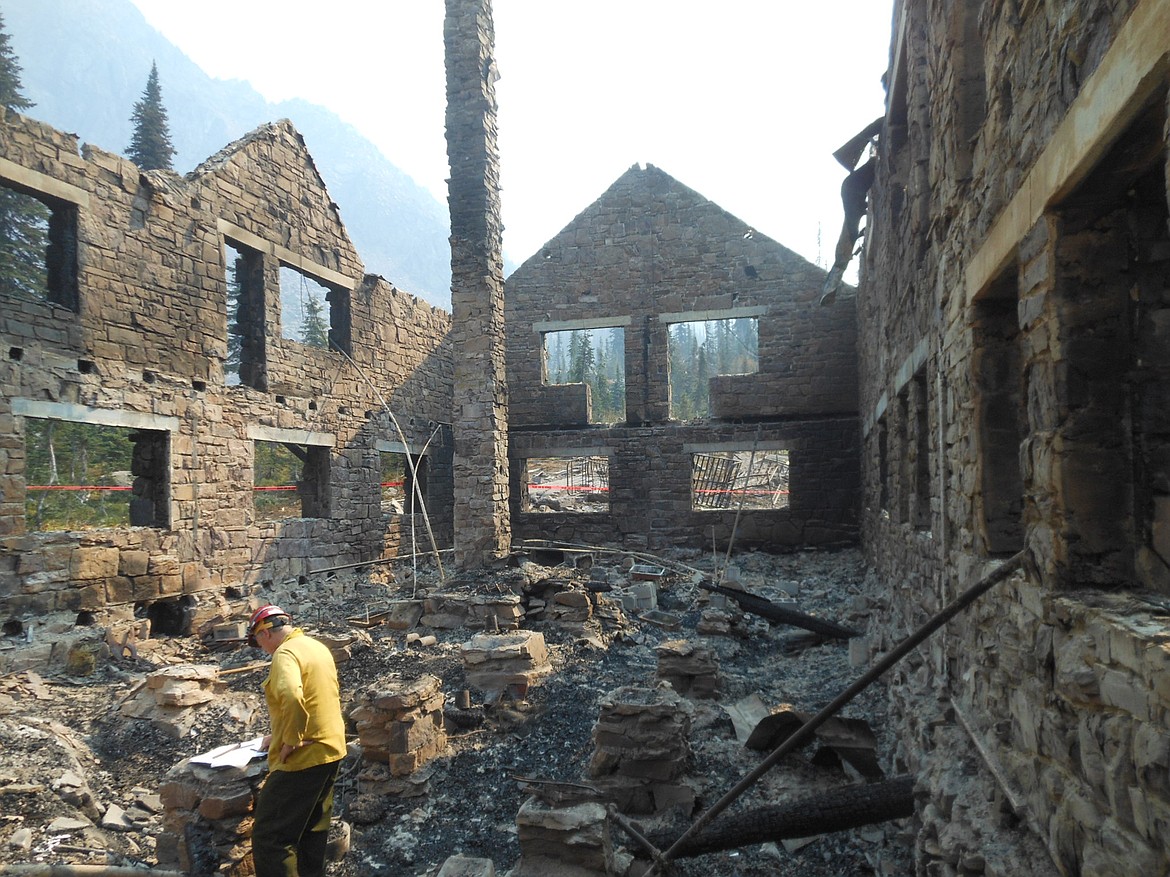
(1005, 570)
(45, 870)
(779, 614)
(838, 810)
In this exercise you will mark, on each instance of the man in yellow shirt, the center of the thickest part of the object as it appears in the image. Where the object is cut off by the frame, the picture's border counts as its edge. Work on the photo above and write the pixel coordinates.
(305, 748)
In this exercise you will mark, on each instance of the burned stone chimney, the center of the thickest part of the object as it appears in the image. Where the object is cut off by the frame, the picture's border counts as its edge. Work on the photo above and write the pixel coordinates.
(481, 515)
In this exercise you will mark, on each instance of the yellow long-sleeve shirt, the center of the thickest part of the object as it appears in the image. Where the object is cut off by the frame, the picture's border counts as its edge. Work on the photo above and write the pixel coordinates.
(304, 704)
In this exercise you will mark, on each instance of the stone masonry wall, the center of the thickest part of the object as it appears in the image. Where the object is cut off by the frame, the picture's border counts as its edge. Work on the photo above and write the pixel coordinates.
(650, 486)
(1012, 335)
(146, 348)
(649, 252)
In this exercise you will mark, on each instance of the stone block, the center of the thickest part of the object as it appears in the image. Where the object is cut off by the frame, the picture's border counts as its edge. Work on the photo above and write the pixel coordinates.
(464, 866)
(410, 696)
(87, 564)
(404, 763)
(179, 795)
(407, 736)
(220, 805)
(1118, 690)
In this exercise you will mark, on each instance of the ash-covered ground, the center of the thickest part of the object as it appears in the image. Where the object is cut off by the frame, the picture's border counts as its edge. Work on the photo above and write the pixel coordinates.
(79, 778)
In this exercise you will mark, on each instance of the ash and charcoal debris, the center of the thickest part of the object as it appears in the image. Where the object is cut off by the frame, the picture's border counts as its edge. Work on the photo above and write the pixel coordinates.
(470, 796)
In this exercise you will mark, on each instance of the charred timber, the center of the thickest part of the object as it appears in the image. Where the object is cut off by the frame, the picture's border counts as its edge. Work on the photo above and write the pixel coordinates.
(838, 810)
(776, 613)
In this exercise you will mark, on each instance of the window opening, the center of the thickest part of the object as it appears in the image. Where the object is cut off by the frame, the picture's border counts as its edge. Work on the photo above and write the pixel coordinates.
(38, 247)
(244, 268)
(1111, 273)
(971, 87)
(168, 617)
(290, 481)
(883, 468)
(84, 476)
(739, 479)
(567, 484)
(398, 493)
(905, 475)
(595, 357)
(700, 350)
(312, 312)
(1002, 419)
(922, 443)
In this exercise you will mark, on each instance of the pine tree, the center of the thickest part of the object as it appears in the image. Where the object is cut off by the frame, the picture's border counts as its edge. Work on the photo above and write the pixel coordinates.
(24, 221)
(10, 84)
(150, 147)
(314, 332)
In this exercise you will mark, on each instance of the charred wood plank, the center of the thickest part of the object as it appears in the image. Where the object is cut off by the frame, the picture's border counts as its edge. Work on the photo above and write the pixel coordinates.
(838, 810)
(778, 614)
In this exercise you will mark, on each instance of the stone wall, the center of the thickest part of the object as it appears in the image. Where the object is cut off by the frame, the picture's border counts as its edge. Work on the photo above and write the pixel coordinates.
(1013, 337)
(144, 347)
(650, 503)
(649, 253)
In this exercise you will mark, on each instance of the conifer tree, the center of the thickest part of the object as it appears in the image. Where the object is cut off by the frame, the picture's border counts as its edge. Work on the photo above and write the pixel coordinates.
(150, 147)
(10, 84)
(24, 221)
(314, 330)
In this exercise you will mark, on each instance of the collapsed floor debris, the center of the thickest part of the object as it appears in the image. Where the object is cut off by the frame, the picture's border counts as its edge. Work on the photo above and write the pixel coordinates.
(495, 735)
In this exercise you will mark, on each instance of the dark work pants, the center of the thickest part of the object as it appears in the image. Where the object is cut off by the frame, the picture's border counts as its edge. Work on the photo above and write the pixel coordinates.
(291, 827)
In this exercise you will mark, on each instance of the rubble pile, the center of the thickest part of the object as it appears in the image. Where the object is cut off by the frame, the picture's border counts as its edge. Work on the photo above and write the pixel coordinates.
(556, 702)
(510, 662)
(691, 669)
(485, 612)
(166, 697)
(569, 841)
(400, 724)
(207, 818)
(642, 750)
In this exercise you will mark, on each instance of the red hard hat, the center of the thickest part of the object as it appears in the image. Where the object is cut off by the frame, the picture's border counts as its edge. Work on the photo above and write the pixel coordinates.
(264, 618)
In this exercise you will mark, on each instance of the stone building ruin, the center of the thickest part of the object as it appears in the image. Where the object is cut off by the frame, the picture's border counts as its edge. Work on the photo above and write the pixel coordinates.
(993, 395)
(1013, 348)
(650, 255)
(133, 335)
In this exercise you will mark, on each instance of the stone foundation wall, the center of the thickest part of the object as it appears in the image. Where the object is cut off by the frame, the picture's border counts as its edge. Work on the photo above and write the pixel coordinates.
(1012, 313)
(650, 503)
(145, 348)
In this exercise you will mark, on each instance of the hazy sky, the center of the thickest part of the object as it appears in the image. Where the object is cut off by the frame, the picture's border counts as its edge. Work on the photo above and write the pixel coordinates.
(742, 100)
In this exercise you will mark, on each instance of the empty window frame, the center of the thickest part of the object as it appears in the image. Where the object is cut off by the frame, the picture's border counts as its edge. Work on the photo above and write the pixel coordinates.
(1111, 487)
(290, 481)
(38, 246)
(1001, 415)
(86, 476)
(244, 270)
(701, 349)
(313, 312)
(920, 514)
(595, 357)
(740, 479)
(399, 495)
(555, 485)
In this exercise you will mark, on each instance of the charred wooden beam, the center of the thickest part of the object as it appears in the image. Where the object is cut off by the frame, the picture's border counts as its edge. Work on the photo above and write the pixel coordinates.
(778, 614)
(838, 810)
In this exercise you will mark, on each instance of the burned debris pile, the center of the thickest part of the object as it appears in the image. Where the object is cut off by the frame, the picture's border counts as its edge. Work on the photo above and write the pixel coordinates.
(510, 723)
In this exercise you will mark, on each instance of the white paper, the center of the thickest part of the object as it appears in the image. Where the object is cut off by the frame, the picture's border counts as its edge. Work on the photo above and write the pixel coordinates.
(232, 754)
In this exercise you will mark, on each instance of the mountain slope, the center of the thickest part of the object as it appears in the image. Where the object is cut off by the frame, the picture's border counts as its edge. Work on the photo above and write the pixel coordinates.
(85, 63)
